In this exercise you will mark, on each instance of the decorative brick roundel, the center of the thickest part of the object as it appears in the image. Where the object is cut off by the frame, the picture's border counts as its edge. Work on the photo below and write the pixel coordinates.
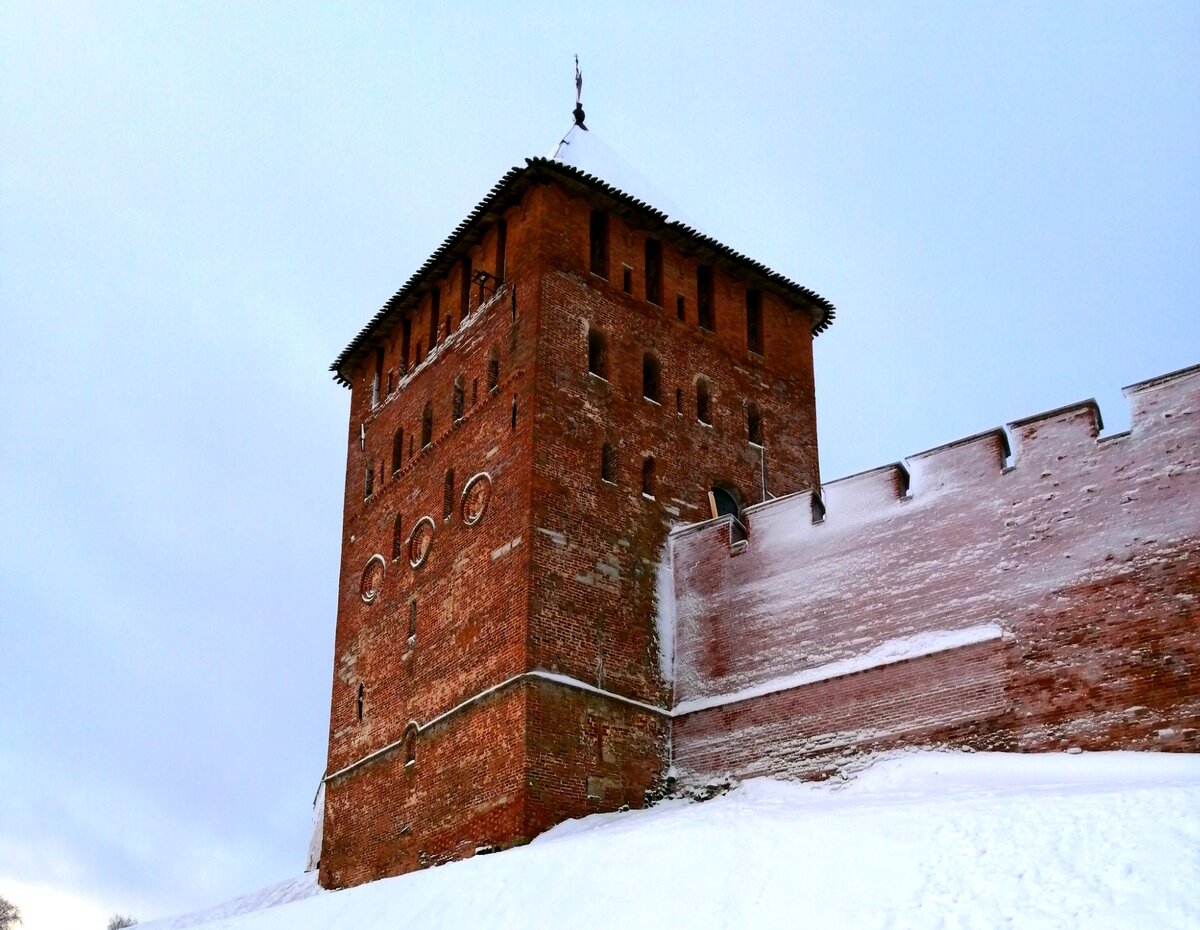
(475, 496)
(372, 578)
(419, 541)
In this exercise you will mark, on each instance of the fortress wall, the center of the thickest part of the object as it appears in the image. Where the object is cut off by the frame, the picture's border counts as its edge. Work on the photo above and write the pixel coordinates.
(1085, 553)
(464, 789)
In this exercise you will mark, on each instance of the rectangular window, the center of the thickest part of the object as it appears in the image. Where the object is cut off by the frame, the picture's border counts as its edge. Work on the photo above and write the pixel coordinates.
(654, 271)
(627, 279)
(464, 296)
(648, 476)
(705, 313)
(754, 328)
(448, 495)
(598, 237)
(378, 379)
(501, 247)
(435, 318)
(679, 308)
(597, 353)
(650, 377)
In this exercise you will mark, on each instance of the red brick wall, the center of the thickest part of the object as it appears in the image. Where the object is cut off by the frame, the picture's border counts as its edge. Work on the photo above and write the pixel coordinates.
(596, 545)
(811, 731)
(1086, 551)
(471, 591)
(464, 790)
(587, 753)
(561, 573)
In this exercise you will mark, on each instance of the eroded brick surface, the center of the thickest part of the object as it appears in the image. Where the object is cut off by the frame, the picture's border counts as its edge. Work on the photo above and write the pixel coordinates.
(559, 574)
(1085, 551)
(1042, 603)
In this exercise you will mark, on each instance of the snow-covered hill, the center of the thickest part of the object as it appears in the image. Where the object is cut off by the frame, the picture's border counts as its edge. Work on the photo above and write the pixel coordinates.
(922, 840)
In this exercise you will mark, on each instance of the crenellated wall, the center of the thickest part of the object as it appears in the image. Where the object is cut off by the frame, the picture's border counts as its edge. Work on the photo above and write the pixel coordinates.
(1043, 598)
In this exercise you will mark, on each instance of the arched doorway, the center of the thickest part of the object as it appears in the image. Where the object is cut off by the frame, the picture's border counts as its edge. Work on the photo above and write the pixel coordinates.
(725, 501)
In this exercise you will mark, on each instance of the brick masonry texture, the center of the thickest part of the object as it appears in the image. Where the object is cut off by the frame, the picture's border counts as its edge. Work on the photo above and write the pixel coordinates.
(559, 574)
(1085, 550)
(498, 665)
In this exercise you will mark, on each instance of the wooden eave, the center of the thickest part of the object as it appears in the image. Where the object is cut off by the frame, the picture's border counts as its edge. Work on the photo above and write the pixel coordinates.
(508, 191)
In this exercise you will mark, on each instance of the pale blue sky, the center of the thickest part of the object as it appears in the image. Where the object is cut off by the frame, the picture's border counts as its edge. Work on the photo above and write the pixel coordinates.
(201, 203)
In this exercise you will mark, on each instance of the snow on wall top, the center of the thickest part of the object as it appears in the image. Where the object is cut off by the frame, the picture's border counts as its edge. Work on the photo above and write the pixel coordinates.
(959, 537)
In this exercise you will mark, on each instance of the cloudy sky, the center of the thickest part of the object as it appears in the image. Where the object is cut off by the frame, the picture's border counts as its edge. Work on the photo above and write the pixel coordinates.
(201, 203)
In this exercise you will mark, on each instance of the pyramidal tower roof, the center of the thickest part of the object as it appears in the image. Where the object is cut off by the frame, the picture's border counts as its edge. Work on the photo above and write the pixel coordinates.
(587, 153)
(580, 161)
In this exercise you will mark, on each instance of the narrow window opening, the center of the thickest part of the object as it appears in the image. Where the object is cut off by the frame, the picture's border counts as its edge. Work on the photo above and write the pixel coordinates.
(651, 372)
(397, 451)
(420, 354)
(493, 370)
(648, 476)
(627, 279)
(410, 747)
(410, 446)
(391, 384)
(654, 271)
(703, 411)
(474, 391)
(458, 398)
(412, 623)
(753, 424)
(464, 294)
(754, 327)
(705, 313)
(405, 344)
(435, 318)
(448, 495)
(513, 422)
(597, 353)
(679, 400)
(378, 379)
(359, 702)
(369, 479)
(427, 425)
(680, 304)
(598, 236)
(501, 247)
(397, 537)
(608, 463)
(512, 302)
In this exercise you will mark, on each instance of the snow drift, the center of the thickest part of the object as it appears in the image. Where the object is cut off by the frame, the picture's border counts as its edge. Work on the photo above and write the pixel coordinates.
(920, 840)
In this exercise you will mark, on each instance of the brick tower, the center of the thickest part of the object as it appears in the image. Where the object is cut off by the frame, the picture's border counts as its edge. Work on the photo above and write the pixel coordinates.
(571, 373)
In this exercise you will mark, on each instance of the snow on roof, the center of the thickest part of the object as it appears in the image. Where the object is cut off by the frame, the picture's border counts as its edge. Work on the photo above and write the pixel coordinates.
(584, 151)
(580, 155)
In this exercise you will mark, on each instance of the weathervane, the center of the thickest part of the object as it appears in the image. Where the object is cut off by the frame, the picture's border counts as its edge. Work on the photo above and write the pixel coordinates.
(578, 95)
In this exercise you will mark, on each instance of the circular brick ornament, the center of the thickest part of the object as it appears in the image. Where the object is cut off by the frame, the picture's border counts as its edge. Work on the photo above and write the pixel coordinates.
(420, 541)
(475, 496)
(372, 579)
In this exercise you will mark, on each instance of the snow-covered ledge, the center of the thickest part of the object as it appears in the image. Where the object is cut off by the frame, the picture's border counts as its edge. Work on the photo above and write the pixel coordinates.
(900, 649)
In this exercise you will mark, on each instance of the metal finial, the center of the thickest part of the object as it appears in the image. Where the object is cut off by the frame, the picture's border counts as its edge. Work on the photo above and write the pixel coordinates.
(578, 95)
